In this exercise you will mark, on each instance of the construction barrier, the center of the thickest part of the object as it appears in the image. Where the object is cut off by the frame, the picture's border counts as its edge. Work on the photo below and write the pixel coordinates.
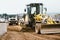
(3, 27)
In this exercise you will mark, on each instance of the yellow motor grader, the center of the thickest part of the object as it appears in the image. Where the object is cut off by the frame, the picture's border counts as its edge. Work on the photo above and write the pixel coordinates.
(39, 20)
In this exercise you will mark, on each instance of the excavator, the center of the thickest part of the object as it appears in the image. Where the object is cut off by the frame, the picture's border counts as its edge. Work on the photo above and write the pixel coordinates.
(42, 22)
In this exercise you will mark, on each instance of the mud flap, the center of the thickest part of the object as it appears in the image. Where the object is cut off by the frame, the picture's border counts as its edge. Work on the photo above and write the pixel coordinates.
(50, 28)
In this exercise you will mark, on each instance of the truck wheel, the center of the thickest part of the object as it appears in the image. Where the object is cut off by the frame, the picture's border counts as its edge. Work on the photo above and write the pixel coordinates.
(37, 29)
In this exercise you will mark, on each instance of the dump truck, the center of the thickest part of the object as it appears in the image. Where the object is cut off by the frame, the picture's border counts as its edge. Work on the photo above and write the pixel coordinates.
(42, 22)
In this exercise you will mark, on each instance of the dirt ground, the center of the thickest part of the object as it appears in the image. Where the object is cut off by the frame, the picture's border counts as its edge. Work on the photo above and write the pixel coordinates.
(26, 35)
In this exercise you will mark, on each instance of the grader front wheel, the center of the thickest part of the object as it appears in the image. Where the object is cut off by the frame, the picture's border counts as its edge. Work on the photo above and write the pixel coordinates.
(37, 29)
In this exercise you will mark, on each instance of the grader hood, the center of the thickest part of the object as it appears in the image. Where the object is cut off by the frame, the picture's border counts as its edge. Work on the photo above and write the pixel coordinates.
(47, 28)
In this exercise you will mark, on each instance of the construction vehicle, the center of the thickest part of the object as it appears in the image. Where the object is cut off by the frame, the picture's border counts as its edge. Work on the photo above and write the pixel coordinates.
(13, 19)
(42, 22)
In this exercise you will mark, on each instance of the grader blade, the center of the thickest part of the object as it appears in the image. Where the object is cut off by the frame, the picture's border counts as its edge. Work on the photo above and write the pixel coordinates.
(49, 28)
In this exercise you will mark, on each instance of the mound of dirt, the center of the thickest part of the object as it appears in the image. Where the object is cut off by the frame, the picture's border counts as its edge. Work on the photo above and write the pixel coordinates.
(14, 28)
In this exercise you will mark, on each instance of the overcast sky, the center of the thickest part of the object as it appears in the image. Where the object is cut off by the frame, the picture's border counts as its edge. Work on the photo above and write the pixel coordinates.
(18, 6)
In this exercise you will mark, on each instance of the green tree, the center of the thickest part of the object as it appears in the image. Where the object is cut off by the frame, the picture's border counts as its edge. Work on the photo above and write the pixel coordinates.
(5, 15)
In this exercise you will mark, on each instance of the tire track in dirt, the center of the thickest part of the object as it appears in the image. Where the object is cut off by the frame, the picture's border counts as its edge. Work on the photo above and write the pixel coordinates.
(36, 37)
(43, 36)
(32, 37)
(53, 36)
(12, 35)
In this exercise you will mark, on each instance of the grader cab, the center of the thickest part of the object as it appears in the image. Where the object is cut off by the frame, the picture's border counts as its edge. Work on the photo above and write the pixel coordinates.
(41, 21)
